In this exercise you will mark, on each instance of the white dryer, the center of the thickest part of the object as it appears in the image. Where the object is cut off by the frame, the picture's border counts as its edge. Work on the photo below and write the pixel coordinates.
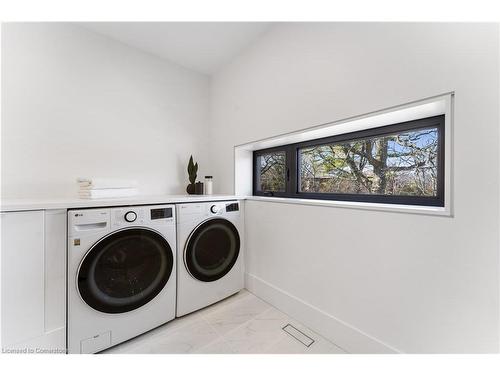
(121, 274)
(209, 253)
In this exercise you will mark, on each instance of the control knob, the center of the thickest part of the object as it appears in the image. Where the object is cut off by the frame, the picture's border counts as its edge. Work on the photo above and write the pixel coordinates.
(130, 216)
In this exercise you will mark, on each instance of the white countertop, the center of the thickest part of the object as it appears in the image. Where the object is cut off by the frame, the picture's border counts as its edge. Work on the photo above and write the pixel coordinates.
(65, 203)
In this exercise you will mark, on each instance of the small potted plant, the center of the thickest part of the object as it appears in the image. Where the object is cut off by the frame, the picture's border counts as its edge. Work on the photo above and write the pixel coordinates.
(192, 172)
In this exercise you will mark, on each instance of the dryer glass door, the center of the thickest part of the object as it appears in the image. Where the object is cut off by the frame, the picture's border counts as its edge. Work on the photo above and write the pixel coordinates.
(212, 250)
(125, 270)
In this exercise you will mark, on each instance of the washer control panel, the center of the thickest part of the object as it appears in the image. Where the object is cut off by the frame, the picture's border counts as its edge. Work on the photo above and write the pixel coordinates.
(142, 215)
(127, 215)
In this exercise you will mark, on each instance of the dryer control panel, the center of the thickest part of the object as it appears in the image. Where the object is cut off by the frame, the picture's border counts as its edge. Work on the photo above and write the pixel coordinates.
(218, 208)
(187, 212)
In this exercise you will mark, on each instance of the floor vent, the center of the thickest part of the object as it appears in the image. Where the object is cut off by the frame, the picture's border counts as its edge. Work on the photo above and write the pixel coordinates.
(298, 335)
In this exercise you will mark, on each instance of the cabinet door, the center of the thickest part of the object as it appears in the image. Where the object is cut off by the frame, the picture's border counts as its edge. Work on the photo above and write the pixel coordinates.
(22, 277)
(33, 281)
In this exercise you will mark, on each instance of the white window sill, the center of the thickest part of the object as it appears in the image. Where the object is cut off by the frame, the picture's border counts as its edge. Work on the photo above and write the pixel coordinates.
(408, 209)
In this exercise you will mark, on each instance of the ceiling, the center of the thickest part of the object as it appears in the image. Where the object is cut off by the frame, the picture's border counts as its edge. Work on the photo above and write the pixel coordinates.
(201, 46)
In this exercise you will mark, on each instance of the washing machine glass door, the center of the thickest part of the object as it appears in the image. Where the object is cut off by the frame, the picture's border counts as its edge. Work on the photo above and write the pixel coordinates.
(212, 250)
(125, 270)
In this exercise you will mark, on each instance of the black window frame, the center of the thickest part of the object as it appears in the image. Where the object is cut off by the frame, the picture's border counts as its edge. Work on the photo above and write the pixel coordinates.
(292, 163)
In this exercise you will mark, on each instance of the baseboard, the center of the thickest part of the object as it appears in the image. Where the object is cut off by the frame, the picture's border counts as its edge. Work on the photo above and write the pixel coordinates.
(349, 338)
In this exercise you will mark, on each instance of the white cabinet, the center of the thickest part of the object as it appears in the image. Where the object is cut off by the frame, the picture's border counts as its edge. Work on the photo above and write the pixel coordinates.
(33, 279)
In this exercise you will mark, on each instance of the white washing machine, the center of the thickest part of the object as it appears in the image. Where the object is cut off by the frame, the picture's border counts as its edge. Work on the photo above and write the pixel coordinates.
(121, 274)
(209, 253)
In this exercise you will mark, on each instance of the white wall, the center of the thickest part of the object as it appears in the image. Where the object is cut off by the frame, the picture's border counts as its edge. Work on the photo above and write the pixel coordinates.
(75, 103)
(373, 281)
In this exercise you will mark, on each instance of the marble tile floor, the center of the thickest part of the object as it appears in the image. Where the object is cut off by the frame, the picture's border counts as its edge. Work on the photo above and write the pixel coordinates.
(240, 324)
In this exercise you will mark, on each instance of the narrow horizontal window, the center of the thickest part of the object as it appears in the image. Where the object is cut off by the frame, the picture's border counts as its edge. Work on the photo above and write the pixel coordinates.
(399, 163)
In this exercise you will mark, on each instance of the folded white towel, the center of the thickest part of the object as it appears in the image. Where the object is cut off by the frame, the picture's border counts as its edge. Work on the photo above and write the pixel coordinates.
(107, 193)
(105, 183)
(90, 187)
